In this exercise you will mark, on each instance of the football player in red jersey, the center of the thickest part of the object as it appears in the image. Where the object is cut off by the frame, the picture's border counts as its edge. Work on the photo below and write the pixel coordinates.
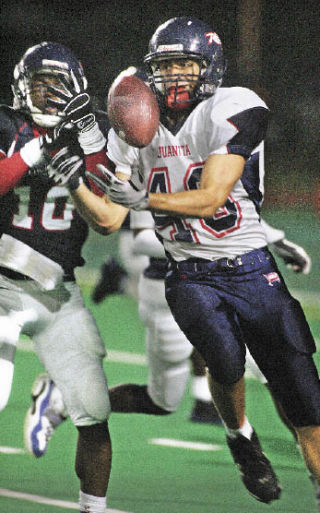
(40, 245)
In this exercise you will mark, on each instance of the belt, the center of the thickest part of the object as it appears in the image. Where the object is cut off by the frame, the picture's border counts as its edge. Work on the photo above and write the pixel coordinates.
(15, 275)
(257, 256)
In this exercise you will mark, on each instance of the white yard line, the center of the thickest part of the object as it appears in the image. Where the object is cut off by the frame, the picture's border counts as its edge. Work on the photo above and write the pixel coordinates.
(11, 450)
(11, 494)
(183, 444)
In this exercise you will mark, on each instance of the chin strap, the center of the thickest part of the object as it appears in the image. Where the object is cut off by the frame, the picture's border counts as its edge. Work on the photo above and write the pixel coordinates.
(178, 98)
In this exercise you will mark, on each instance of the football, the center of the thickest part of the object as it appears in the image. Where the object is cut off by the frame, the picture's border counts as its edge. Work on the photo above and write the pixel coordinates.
(133, 110)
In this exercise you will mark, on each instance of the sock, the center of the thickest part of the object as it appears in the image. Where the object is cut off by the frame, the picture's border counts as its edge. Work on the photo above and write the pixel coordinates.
(245, 430)
(92, 504)
(200, 389)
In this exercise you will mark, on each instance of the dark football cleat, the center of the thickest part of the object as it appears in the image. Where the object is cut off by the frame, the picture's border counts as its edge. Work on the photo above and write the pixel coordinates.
(205, 413)
(111, 281)
(256, 471)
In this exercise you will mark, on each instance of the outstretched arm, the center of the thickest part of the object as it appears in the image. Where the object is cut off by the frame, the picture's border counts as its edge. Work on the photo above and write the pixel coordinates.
(219, 175)
(100, 213)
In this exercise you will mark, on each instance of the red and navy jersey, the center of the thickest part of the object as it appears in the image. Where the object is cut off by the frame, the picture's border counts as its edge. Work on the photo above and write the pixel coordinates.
(37, 212)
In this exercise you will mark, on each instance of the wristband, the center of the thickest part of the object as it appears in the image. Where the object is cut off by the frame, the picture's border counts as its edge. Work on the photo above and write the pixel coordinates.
(92, 140)
(33, 152)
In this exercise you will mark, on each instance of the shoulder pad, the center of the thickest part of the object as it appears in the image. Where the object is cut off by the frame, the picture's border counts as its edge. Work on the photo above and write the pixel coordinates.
(11, 122)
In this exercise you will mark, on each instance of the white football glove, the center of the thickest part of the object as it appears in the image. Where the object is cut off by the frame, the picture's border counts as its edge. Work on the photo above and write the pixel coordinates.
(293, 255)
(120, 191)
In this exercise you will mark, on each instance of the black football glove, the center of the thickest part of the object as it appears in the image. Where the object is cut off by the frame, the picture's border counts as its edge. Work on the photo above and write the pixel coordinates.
(58, 138)
(293, 255)
(65, 169)
(74, 102)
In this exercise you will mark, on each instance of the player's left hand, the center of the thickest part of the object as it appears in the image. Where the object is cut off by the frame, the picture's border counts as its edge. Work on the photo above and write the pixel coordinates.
(76, 103)
(64, 169)
(123, 192)
(293, 255)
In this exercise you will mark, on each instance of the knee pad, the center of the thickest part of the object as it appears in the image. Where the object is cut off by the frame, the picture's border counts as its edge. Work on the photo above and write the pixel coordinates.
(165, 340)
(167, 384)
(86, 400)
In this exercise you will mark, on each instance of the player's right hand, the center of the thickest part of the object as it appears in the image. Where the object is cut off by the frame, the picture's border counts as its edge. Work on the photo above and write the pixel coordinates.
(65, 169)
(74, 103)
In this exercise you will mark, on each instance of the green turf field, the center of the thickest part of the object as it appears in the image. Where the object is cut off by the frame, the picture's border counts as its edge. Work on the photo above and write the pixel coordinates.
(146, 477)
(160, 465)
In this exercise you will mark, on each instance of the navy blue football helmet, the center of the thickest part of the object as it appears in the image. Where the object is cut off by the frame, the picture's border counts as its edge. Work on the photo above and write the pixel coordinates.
(185, 38)
(46, 58)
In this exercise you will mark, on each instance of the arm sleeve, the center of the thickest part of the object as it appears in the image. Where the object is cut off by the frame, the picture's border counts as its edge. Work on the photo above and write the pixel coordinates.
(12, 169)
(273, 235)
(91, 161)
(123, 155)
(239, 122)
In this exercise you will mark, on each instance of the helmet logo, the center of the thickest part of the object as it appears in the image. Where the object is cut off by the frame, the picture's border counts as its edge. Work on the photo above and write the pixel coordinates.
(213, 38)
(170, 48)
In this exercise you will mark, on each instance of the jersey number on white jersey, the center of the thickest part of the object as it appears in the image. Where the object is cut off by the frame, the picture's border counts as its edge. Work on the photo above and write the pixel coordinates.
(226, 219)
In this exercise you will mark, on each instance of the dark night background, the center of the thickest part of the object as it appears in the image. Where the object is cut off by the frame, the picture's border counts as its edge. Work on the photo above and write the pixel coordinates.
(108, 36)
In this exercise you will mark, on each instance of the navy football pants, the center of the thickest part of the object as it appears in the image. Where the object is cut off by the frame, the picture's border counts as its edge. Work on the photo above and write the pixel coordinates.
(223, 305)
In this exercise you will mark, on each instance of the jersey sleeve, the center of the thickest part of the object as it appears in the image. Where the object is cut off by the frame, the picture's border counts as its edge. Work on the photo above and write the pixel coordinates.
(121, 154)
(273, 235)
(239, 123)
(12, 166)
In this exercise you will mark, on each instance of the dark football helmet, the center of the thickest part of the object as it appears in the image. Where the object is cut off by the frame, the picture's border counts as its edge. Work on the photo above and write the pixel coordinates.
(50, 60)
(185, 38)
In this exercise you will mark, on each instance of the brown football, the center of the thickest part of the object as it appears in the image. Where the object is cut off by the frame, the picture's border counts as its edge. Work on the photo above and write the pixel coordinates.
(133, 110)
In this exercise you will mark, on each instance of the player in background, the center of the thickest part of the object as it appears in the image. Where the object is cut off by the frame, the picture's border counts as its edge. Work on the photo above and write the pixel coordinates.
(40, 245)
(122, 276)
(223, 286)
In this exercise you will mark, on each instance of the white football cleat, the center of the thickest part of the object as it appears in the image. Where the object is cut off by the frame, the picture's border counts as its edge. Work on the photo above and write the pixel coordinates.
(45, 414)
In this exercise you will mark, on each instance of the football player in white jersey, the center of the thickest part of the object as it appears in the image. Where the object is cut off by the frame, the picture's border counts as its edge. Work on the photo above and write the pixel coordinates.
(201, 180)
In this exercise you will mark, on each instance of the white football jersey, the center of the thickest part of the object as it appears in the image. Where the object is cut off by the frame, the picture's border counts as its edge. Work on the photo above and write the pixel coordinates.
(173, 162)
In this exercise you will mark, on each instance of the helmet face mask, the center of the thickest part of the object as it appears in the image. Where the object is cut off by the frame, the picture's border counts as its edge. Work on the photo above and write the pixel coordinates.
(176, 80)
(42, 66)
(188, 39)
